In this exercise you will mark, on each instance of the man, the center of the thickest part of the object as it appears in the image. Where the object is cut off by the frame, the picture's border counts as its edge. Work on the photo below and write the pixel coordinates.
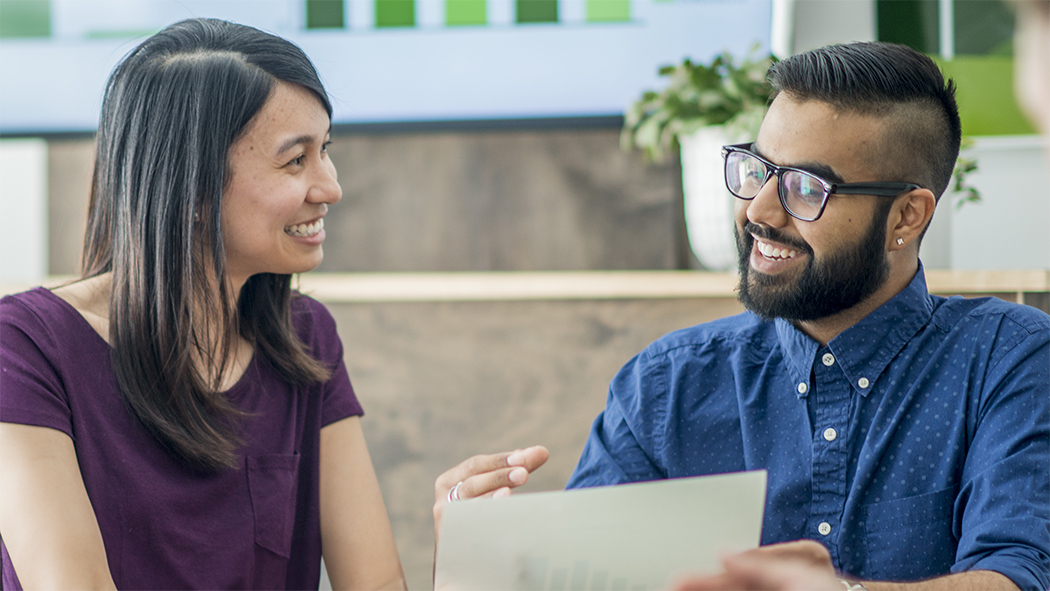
(907, 434)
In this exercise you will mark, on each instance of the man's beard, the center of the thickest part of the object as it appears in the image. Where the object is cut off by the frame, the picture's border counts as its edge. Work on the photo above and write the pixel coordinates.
(828, 286)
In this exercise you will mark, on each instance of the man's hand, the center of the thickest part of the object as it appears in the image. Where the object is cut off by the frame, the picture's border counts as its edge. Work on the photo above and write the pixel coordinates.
(803, 565)
(486, 476)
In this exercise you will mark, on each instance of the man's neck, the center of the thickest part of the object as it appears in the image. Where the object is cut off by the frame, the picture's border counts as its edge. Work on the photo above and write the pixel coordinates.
(823, 330)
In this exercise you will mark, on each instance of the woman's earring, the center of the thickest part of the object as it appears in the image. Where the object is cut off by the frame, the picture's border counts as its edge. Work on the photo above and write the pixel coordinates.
(900, 241)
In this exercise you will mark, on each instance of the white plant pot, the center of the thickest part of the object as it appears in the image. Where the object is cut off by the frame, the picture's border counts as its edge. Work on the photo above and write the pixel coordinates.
(708, 204)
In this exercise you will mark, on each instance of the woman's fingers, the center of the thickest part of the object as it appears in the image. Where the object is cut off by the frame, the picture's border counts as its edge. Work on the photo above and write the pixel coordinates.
(480, 485)
(485, 473)
(530, 458)
(485, 476)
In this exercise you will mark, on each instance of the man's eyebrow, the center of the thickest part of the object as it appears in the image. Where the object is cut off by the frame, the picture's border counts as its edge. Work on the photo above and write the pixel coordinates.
(822, 170)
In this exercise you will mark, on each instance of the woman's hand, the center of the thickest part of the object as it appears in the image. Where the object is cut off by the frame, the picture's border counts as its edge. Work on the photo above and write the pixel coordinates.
(486, 476)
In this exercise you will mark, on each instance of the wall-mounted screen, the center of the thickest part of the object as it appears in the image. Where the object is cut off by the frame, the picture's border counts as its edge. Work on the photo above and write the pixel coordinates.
(387, 60)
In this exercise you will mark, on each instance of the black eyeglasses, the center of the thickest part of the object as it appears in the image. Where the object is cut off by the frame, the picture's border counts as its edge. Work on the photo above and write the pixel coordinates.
(803, 194)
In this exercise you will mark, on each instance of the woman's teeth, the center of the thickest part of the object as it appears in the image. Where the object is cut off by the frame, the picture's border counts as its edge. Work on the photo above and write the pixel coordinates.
(768, 250)
(305, 230)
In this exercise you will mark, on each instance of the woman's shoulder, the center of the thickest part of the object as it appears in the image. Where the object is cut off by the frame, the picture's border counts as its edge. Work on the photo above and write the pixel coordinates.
(313, 321)
(49, 321)
(89, 298)
(35, 310)
(307, 312)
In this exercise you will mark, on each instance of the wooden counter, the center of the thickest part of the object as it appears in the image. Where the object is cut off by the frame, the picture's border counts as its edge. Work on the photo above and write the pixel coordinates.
(590, 285)
(605, 285)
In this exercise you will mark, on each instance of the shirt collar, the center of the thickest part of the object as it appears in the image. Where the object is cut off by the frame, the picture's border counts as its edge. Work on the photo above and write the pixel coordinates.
(866, 348)
(799, 352)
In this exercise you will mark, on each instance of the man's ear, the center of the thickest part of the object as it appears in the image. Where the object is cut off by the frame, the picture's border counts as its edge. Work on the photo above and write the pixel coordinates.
(910, 215)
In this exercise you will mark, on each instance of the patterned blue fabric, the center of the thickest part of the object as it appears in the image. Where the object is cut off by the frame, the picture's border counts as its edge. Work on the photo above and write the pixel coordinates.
(915, 444)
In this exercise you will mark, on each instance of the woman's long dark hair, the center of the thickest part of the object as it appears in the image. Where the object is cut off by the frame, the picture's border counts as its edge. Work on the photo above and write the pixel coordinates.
(172, 110)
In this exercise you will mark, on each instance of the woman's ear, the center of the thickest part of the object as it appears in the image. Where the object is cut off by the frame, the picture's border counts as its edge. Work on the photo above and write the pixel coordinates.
(910, 215)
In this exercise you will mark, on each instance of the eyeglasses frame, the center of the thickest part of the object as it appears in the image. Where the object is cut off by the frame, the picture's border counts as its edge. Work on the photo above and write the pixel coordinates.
(875, 188)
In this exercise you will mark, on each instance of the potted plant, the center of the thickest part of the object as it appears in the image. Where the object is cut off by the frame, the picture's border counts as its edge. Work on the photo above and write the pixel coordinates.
(704, 107)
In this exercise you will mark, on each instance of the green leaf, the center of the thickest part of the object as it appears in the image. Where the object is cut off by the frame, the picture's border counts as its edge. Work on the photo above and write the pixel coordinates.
(720, 92)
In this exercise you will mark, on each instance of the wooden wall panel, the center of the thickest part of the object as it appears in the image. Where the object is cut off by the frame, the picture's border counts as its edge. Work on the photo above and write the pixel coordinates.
(516, 200)
(446, 380)
(460, 201)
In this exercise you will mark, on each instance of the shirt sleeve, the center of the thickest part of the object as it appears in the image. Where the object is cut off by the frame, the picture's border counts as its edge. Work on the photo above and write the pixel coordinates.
(32, 389)
(339, 399)
(1005, 525)
(620, 447)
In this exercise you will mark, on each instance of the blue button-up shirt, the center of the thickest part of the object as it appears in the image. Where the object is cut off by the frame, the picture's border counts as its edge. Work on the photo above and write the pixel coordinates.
(916, 443)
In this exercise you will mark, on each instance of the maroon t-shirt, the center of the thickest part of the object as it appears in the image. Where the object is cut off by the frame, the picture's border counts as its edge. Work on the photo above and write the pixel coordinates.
(166, 526)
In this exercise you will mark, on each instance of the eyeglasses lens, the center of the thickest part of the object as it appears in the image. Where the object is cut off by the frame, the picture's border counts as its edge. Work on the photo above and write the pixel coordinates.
(744, 174)
(804, 194)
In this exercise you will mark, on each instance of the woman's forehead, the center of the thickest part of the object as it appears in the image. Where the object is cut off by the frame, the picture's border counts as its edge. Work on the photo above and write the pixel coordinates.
(291, 111)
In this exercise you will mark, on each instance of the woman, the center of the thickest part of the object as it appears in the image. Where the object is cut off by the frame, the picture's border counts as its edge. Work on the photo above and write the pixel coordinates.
(179, 418)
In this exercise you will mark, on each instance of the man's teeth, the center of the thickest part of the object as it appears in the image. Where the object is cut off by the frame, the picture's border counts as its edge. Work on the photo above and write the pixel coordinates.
(305, 230)
(775, 253)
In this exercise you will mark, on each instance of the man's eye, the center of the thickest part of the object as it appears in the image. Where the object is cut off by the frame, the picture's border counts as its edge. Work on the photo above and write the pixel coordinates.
(810, 189)
(298, 161)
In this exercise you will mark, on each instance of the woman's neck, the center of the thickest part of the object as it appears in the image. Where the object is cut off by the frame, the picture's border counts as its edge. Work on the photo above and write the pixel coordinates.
(91, 298)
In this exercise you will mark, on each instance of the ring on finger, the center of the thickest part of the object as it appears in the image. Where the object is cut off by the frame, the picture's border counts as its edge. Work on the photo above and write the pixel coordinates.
(453, 493)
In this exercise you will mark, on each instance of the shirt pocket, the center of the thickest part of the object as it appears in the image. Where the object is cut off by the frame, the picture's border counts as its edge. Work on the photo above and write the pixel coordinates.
(272, 486)
(910, 538)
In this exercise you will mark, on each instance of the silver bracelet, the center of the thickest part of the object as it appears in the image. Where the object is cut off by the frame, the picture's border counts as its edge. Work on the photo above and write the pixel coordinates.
(852, 586)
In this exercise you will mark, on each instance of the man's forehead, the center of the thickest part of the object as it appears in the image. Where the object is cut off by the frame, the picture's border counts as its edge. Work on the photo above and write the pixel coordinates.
(817, 136)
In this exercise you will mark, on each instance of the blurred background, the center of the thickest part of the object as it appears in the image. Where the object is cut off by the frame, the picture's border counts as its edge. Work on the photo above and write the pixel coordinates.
(482, 139)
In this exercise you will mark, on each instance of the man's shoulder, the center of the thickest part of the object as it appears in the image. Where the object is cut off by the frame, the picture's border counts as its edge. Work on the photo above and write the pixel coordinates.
(958, 313)
(731, 332)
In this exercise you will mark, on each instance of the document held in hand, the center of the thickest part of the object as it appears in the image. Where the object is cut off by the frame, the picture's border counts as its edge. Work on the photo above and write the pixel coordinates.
(629, 536)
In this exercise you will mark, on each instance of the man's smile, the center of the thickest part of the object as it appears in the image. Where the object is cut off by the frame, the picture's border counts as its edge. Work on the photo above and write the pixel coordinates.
(774, 252)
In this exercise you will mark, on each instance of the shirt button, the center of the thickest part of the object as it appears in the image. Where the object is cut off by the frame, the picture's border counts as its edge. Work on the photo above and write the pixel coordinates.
(824, 528)
(802, 387)
(830, 434)
(863, 382)
(828, 359)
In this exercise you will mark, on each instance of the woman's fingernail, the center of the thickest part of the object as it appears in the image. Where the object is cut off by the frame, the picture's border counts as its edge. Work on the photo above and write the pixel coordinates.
(503, 492)
(518, 475)
(516, 459)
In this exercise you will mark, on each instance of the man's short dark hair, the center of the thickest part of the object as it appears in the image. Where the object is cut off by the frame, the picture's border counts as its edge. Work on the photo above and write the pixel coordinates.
(887, 80)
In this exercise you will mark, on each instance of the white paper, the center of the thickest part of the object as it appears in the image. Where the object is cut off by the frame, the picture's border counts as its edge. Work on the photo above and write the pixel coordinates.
(630, 536)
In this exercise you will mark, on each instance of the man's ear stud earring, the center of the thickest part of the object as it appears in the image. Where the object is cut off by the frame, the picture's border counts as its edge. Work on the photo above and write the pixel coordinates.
(900, 241)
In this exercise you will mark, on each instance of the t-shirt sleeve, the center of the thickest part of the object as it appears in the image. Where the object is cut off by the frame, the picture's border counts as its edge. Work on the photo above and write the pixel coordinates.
(32, 391)
(339, 400)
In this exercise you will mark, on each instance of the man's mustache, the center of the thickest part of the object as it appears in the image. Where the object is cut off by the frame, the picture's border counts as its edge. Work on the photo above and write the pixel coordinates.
(773, 235)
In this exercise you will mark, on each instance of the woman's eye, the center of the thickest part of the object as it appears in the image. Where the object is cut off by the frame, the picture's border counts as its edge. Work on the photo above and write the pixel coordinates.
(324, 146)
(298, 161)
